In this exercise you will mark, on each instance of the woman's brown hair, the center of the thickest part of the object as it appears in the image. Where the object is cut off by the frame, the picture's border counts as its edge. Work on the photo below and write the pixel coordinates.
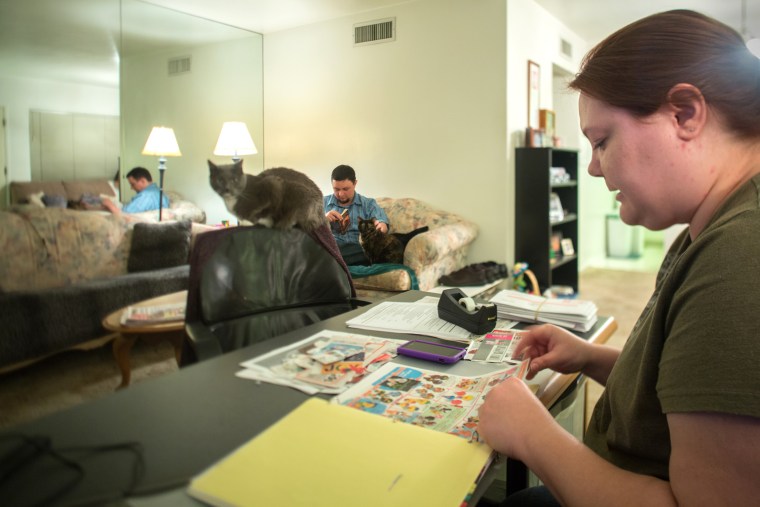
(635, 68)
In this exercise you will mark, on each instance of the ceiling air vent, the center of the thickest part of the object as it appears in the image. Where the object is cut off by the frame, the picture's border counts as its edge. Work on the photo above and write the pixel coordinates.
(566, 48)
(374, 32)
(179, 65)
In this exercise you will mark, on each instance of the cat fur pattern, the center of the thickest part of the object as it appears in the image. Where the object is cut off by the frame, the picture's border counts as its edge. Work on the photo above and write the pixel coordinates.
(384, 248)
(278, 197)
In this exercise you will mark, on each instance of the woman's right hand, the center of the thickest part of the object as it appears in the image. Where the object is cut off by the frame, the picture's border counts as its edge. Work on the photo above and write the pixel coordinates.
(549, 346)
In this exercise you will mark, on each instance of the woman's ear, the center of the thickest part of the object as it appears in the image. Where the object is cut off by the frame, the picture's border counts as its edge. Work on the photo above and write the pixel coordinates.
(689, 109)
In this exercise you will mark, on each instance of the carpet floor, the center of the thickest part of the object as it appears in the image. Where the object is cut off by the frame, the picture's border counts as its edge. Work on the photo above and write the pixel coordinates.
(74, 377)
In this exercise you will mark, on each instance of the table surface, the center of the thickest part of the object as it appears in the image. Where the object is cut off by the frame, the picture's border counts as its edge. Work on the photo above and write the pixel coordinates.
(187, 420)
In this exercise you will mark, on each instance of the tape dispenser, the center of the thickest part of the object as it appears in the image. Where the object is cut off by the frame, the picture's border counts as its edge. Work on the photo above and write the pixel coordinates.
(455, 307)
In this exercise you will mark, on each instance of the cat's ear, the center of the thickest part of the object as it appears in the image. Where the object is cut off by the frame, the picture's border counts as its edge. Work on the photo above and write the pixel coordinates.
(239, 164)
(211, 165)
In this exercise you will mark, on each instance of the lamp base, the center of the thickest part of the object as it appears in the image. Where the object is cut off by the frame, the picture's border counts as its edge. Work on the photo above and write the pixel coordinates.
(161, 169)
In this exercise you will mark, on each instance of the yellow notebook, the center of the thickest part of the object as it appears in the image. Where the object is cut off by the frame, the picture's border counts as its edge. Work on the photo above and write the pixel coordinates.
(329, 454)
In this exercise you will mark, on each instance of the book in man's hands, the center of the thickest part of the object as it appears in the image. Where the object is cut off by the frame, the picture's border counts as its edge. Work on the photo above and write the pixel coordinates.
(138, 315)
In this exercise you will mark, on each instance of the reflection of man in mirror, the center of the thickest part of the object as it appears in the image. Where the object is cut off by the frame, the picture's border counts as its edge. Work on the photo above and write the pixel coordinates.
(148, 194)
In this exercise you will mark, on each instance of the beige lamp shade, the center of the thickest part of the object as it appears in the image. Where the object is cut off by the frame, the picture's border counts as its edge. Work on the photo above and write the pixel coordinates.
(162, 143)
(234, 140)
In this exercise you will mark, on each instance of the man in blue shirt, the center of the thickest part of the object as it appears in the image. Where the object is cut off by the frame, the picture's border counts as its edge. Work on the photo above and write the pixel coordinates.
(344, 207)
(147, 197)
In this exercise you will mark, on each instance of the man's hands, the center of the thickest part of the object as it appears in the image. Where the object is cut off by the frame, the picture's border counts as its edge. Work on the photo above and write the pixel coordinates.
(343, 219)
(381, 226)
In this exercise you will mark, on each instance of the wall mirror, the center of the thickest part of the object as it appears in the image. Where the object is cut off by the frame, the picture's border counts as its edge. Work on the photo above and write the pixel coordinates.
(87, 59)
(192, 75)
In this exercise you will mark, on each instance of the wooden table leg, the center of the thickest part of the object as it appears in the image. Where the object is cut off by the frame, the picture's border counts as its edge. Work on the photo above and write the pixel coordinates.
(122, 347)
(177, 339)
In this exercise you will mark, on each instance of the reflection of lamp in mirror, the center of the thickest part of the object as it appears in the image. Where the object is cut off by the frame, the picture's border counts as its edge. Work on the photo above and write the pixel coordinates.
(162, 143)
(234, 141)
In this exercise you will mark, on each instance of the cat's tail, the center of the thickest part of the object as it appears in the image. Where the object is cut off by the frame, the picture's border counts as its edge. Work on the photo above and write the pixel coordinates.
(405, 237)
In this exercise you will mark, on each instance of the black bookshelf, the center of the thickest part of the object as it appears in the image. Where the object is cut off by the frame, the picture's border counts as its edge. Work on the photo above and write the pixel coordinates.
(534, 227)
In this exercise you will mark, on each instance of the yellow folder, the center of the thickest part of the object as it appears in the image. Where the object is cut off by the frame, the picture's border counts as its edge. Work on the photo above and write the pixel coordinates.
(329, 454)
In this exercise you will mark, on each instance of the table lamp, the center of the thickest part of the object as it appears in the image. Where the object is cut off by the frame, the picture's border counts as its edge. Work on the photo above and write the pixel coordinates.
(162, 143)
(234, 141)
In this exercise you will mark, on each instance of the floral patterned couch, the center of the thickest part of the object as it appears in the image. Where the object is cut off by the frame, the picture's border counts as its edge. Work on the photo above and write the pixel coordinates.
(62, 271)
(71, 194)
(432, 254)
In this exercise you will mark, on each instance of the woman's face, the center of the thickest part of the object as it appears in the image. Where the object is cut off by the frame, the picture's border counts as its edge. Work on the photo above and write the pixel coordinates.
(644, 162)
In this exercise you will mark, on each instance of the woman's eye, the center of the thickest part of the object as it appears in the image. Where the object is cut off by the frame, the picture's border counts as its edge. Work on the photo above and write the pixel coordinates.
(599, 144)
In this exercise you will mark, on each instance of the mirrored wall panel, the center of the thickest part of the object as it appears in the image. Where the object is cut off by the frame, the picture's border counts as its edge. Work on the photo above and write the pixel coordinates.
(192, 75)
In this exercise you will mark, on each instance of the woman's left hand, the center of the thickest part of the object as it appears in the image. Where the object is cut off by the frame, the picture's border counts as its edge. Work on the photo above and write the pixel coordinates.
(511, 416)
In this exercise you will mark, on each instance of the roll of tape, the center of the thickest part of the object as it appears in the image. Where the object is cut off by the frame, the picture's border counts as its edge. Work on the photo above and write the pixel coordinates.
(468, 303)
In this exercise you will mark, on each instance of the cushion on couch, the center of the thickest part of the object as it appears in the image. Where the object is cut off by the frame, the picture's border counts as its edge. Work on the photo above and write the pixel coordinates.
(75, 189)
(159, 245)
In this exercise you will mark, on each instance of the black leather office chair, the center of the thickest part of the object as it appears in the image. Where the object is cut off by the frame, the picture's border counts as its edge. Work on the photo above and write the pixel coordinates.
(249, 284)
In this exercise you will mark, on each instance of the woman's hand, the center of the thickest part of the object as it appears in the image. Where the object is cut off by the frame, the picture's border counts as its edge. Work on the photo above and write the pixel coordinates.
(549, 346)
(510, 416)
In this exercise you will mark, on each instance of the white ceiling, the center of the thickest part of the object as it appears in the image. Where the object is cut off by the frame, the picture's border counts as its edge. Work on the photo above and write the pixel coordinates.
(591, 19)
(77, 40)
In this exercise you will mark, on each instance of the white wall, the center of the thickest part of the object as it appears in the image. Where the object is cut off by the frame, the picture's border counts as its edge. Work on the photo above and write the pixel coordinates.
(19, 96)
(227, 76)
(422, 117)
(534, 34)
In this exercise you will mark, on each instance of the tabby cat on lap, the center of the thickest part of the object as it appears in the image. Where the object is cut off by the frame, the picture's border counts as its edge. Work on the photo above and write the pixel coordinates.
(384, 248)
(279, 197)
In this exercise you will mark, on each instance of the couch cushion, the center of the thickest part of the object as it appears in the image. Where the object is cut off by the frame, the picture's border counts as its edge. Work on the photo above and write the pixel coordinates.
(159, 245)
(21, 190)
(75, 189)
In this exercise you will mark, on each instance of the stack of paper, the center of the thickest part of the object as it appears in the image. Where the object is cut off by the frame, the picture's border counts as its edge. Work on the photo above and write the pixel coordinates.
(325, 362)
(574, 314)
(413, 318)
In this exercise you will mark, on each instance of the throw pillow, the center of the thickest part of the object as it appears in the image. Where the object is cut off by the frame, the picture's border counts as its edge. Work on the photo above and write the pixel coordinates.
(159, 245)
(36, 199)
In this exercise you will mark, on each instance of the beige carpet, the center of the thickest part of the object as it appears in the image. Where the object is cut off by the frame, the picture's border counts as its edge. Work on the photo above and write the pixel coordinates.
(77, 376)
(621, 294)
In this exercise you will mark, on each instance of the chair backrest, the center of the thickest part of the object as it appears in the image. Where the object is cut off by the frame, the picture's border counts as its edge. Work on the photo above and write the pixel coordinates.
(249, 284)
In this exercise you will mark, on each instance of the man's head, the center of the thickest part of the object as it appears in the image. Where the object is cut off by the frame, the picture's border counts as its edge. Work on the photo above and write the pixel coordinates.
(139, 179)
(344, 184)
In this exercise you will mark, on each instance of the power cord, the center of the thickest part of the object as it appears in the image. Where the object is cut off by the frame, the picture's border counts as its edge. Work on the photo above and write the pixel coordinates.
(26, 450)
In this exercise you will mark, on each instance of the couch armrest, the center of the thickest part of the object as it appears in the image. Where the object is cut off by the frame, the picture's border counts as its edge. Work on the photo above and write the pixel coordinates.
(428, 247)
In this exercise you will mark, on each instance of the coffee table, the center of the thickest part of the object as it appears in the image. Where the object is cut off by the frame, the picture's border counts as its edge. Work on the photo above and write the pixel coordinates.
(174, 332)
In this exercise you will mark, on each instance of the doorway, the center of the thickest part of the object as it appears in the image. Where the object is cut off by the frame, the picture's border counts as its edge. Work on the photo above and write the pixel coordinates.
(3, 163)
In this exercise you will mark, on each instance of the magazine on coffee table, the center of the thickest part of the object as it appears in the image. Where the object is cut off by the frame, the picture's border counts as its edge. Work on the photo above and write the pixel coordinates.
(140, 315)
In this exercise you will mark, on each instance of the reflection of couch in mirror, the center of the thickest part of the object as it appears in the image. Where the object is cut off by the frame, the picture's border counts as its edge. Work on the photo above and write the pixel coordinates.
(87, 195)
(64, 270)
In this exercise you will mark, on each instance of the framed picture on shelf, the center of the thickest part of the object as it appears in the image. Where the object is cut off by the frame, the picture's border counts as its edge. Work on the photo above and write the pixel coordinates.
(546, 119)
(534, 87)
(534, 138)
(567, 246)
(556, 211)
(556, 245)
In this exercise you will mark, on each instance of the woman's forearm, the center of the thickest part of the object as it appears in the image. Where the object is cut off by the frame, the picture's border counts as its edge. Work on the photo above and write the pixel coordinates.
(600, 362)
